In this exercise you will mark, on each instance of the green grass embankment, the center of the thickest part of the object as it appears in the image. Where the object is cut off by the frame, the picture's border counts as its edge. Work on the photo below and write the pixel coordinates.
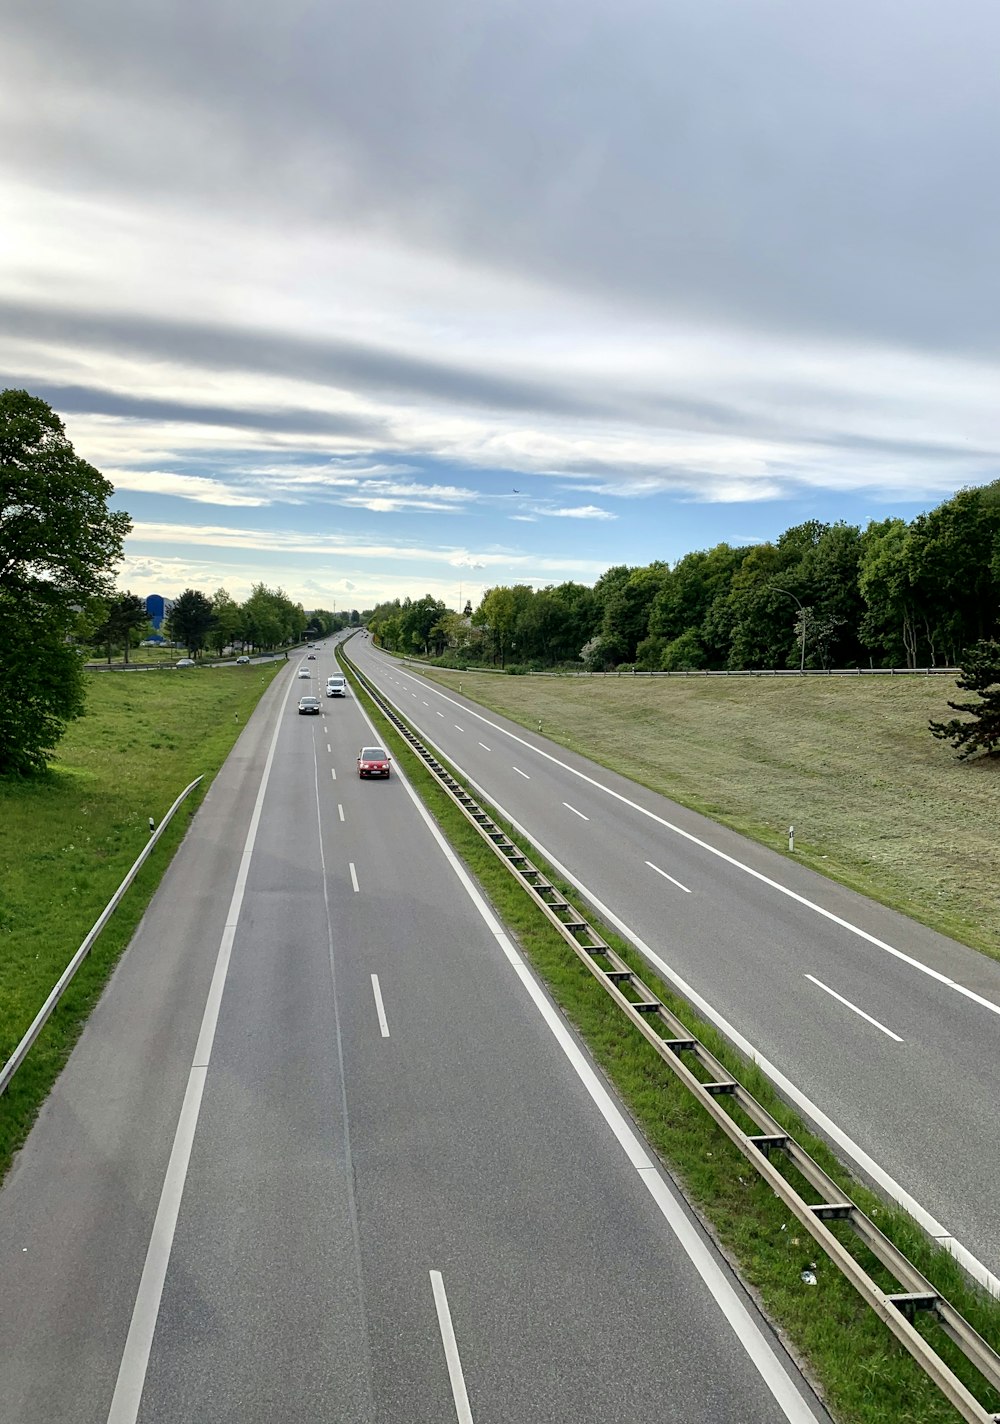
(68, 838)
(876, 801)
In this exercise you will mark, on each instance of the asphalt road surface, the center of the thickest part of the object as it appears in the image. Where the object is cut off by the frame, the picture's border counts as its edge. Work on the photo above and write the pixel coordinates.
(882, 1032)
(325, 1152)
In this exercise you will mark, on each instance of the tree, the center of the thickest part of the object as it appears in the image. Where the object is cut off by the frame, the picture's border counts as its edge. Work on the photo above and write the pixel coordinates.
(123, 616)
(58, 540)
(227, 621)
(38, 694)
(191, 620)
(59, 544)
(981, 675)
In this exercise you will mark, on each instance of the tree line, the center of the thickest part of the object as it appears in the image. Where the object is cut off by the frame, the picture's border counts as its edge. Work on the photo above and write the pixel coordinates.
(268, 619)
(894, 594)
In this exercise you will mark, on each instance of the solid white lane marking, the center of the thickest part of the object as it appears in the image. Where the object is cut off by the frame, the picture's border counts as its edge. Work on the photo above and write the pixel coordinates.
(333, 772)
(745, 1326)
(380, 1007)
(485, 747)
(522, 773)
(139, 1341)
(462, 1411)
(853, 1007)
(668, 877)
(854, 929)
(575, 811)
(837, 1135)
(340, 810)
(354, 875)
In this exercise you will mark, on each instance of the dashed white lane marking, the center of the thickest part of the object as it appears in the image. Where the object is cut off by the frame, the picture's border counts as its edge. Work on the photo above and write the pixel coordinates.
(354, 875)
(333, 772)
(380, 1007)
(328, 747)
(458, 1390)
(853, 1007)
(485, 747)
(340, 810)
(440, 714)
(745, 1327)
(522, 773)
(458, 728)
(575, 811)
(668, 877)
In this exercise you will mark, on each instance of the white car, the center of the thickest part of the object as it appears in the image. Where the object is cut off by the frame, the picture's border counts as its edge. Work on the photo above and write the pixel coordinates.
(184, 662)
(303, 672)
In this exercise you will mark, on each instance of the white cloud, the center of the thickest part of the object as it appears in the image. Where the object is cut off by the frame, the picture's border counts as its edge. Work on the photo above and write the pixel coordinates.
(198, 488)
(580, 511)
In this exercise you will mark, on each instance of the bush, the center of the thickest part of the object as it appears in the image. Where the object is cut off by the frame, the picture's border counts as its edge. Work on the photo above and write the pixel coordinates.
(684, 654)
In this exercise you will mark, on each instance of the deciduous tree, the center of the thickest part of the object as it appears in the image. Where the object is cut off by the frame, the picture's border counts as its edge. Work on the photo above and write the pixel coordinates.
(59, 544)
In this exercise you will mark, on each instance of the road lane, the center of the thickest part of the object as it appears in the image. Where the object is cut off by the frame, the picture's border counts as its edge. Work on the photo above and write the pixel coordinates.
(923, 1111)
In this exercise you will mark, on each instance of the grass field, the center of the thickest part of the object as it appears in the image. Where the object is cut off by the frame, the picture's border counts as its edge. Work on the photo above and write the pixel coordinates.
(67, 840)
(864, 1375)
(876, 801)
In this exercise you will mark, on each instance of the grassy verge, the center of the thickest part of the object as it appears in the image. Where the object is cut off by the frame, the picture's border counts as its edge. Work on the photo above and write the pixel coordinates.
(876, 801)
(67, 840)
(864, 1375)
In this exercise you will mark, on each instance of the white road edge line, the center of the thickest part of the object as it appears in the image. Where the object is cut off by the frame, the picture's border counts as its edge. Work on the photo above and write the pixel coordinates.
(935, 974)
(131, 1379)
(462, 1411)
(340, 810)
(354, 875)
(745, 1326)
(668, 877)
(888, 1184)
(853, 1007)
(575, 811)
(380, 1007)
(522, 773)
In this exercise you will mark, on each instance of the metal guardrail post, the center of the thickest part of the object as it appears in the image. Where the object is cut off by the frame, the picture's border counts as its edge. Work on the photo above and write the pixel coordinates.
(44, 1013)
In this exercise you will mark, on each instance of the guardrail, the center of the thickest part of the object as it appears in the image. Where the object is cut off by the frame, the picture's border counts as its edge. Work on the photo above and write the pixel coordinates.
(45, 1012)
(719, 1093)
(693, 672)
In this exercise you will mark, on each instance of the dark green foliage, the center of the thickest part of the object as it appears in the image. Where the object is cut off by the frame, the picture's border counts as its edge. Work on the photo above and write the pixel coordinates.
(58, 540)
(42, 684)
(58, 545)
(124, 614)
(190, 620)
(981, 675)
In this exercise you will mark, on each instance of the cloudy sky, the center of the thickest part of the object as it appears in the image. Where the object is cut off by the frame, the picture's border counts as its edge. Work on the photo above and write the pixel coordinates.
(369, 298)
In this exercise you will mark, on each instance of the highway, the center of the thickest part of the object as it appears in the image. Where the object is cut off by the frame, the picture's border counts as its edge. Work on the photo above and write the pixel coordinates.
(884, 1033)
(326, 1152)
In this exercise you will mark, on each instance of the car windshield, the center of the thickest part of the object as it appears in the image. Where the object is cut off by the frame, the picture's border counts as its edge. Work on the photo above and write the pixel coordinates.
(373, 754)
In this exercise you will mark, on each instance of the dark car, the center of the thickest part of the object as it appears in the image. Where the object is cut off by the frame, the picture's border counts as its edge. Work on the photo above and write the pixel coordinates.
(373, 761)
(311, 658)
(309, 704)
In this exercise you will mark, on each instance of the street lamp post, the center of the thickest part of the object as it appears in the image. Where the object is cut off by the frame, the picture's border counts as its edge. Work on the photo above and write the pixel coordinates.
(802, 660)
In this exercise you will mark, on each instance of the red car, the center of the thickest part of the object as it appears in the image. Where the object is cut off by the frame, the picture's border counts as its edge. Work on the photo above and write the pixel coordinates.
(373, 761)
